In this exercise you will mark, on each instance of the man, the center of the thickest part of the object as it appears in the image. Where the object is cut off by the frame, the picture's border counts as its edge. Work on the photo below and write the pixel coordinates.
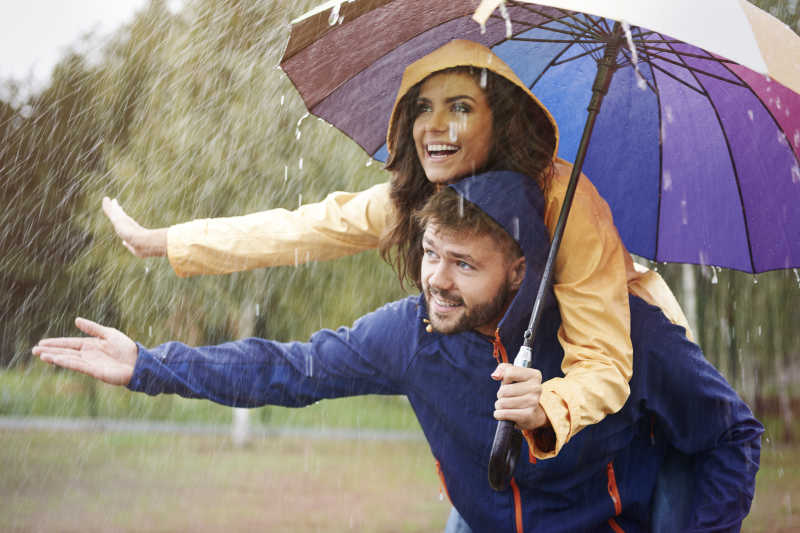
(442, 348)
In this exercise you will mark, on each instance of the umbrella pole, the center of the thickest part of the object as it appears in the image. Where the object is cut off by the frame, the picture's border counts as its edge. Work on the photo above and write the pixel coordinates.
(508, 442)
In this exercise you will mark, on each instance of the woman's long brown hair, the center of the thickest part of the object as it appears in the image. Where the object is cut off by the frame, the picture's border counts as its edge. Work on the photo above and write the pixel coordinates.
(523, 141)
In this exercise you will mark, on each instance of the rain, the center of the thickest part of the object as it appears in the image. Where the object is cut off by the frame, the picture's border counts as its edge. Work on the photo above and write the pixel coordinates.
(180, 114)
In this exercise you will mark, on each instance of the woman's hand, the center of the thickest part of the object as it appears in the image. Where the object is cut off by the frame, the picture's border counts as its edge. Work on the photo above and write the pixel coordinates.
(107, 354)
(142, 242)
(518, 396)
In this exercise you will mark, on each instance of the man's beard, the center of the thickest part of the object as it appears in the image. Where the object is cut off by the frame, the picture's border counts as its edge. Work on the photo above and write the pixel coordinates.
(472, 317)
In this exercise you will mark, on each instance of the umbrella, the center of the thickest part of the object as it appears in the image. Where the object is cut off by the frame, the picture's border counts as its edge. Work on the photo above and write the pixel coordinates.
(692, 109)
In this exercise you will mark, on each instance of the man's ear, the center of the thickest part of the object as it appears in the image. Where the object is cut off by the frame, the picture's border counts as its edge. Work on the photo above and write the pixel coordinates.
(517, 272)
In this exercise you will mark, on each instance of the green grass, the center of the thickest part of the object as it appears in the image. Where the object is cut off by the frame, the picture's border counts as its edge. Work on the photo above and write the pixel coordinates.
(70, 481)
(94, 481)
(39, 390)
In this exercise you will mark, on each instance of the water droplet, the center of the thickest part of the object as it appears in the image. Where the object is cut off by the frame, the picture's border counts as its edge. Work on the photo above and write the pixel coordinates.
(795, 173)
(334, 14)
(755, 279)
(258, 310)
(300, 164)
(282, 98)
(750, 114)
(285, 173)
(796, 276)
(684, 213)
(796, 138)
(668, 113)
(507, 19)
(299, 204)
(149, 331)
(714, 279)
(667, 180)
(453, 130)
(369, 162)
(483, 78)
(782, 139)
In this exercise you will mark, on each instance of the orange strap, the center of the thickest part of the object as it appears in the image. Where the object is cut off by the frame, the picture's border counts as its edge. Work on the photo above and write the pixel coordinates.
(517, 506)
(612, 489)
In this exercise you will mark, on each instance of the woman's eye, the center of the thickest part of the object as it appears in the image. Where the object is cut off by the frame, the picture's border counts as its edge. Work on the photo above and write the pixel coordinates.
(461, 107)
(422, 107)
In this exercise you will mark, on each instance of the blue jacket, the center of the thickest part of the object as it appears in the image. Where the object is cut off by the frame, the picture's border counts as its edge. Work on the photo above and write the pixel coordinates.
(605, 476)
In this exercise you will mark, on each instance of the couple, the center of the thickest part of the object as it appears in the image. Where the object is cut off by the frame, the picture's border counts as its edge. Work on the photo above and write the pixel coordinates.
(479, 272)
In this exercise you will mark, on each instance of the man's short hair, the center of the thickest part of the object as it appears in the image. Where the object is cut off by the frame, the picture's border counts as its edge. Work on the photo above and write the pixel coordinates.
(454, 214)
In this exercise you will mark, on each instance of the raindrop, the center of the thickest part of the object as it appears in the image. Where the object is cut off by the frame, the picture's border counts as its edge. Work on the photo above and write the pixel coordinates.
(483, 78)
(634, 56)
(782, 139)
(758, 330)
(453, 132)
(668, 112)
(667, 180)
(515, 226)
(309, 365)
(507, 19)
(258, 309)
(483, 28)
(299, 204)
(714, 279)
(285, 173)
(778, 102)
(147, 269)
(282, 98)
(334, 15)
(684, 213)
(750, 114)
(796, 138)
(149, 331)
(369, 162)
(795, 173)
(796, 276)
(755, 279)
(300, 164)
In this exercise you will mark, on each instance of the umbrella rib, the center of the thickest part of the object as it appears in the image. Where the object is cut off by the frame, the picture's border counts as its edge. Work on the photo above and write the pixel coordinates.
(674, 77)
(566, 41)
(578, 25)
(572, 58)
(733, 164)
(697, 70)
(652, 49)
(660, 167)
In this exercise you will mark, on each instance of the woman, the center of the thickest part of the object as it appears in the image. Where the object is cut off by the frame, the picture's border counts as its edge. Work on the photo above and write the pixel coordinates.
(460, 110)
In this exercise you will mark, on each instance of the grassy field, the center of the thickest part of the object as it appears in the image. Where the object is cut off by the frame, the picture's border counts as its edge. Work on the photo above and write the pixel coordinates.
(112, 481)
(94, 481)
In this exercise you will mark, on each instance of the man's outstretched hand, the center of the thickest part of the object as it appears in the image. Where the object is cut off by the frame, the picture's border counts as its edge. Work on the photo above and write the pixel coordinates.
(107, 354)
(142, 242)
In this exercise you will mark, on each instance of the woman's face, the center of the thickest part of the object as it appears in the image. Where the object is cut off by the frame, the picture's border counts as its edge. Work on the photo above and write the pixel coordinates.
(453, 127)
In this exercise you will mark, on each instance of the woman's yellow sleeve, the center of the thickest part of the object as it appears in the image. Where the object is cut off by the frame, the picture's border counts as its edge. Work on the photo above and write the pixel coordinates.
(342, 224)
(590, 284)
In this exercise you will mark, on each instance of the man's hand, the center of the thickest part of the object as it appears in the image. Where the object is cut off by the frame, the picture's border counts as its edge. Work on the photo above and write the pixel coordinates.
(142, 242)
(107, 354)
(518, 396)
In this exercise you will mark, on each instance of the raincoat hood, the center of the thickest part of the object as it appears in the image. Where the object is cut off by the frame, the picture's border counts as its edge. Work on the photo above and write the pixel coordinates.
(514, 201)
(461, 53)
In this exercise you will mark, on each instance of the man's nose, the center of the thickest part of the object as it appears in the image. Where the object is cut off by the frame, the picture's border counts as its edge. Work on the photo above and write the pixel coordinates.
(440, 278)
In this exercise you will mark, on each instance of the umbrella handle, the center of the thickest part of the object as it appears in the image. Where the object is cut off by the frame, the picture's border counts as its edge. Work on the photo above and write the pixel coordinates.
(507, 441)
(505, 450)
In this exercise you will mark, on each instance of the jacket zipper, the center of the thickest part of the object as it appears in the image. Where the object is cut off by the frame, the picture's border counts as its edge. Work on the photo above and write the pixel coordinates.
(443, 487)
(517, 506)
(613, 491)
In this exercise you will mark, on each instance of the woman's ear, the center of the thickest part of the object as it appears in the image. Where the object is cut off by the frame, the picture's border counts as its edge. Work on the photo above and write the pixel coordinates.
(517, 272)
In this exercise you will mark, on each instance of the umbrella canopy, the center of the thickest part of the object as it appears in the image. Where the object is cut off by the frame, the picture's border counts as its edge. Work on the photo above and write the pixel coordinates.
(695, 147)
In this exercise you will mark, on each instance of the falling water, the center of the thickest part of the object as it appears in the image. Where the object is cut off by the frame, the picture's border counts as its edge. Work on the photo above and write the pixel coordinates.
(640, 82)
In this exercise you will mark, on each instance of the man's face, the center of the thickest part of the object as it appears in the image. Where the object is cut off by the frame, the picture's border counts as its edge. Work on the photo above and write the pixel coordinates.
(468, 281)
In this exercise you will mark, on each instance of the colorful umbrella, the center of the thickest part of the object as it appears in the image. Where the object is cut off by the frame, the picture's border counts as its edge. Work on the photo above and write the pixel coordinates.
(699, 166)
(691, 108)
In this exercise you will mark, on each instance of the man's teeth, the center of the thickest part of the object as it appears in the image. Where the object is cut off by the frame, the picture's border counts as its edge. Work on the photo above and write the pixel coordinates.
(446, 304)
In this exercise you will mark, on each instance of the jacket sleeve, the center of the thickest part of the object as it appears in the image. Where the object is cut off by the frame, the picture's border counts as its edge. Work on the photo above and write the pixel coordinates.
(591, 288)
(702, 417)
(253, 372)
(342, 224)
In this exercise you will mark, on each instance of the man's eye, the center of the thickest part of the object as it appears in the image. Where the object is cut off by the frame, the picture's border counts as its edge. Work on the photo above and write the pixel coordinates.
(429, 254)
(465, 266)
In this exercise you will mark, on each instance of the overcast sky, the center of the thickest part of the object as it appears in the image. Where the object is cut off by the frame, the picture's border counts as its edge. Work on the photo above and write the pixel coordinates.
(35, 34)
